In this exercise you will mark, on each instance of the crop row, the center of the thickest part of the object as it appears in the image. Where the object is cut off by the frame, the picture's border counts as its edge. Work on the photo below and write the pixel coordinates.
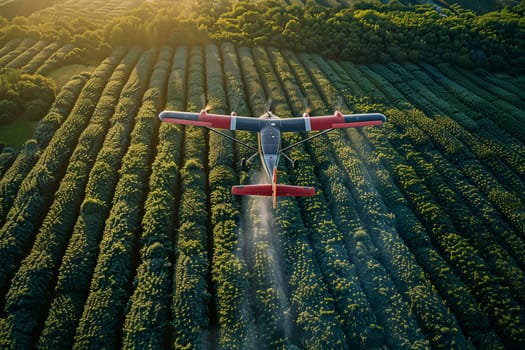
(191, 296)
(44, 131)
(119, 232)
(266, 314)
(311, 301)
(431, 315)
(103, 311)
(147, 311)
(334, 250)
(506, 174)
(33, 197)
(51, 240)
(408, 225)
(229, 270)
(354, 142)
(98, 11)
(510, 332)
(32, 56)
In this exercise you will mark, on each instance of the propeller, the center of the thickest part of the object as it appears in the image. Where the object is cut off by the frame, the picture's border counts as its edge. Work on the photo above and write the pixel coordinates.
(339, 103)
(236, 105)
(268, 105)
(307, 108)
(205, 106)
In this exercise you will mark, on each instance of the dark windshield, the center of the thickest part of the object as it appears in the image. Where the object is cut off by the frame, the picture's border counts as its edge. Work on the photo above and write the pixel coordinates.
(270, 140)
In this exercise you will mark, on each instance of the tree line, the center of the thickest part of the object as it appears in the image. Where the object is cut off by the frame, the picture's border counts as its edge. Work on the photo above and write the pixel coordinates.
(366, 33)
(27, 95)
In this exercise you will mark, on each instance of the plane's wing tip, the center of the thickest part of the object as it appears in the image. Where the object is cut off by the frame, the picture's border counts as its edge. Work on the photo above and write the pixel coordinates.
(165, 114)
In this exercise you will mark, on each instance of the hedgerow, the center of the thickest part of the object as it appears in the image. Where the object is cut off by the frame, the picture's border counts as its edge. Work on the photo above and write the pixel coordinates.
(104, 307)
(36, 191)
(147, 312)
(31, 149)
(79, 257)
(190, 300)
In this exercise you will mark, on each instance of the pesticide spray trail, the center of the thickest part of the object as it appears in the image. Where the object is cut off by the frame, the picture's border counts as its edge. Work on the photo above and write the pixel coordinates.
(261, 249)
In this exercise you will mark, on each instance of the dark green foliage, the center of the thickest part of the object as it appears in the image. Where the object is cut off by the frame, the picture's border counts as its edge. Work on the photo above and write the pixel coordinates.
(79, 259)
(36, 191)
(80, 37)
(121, 233)
(365, 32)
(432, 315)
(7, 157)
(147, 318)
(191, 296)
(146, 321)
(360, 324)
(53, 235)
(60, 108)
(229, 272)
(312, 303)
(98, 325)
(8, 110)
(24, 96)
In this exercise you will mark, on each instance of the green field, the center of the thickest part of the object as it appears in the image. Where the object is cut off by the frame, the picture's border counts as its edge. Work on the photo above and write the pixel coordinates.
(117, 231)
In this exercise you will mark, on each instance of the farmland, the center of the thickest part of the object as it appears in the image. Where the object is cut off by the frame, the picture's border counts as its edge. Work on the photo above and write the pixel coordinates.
(117, 231)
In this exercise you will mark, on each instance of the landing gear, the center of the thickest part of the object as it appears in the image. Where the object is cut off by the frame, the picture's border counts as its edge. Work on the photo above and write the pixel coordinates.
(293, 162)
(244, 161)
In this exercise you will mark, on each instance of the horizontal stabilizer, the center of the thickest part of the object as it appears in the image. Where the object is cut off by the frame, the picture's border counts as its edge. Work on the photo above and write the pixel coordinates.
(266, 190)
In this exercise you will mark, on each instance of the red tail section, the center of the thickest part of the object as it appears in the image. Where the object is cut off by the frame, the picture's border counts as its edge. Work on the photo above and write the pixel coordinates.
(267, 190)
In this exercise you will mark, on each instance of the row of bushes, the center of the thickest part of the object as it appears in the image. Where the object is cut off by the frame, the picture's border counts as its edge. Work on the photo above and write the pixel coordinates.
(346, 258)
(191, 296)
(109, 289)
(31, 149)
(79, 258)
(375, 234)
(35, 193)
(51, 241)
(411, 155)
(147, 311)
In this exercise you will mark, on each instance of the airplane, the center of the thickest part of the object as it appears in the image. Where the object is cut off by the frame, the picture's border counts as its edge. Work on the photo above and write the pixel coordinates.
(269, 128)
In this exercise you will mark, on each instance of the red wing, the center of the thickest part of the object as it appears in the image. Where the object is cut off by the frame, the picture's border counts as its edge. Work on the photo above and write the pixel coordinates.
(205, 119)
(197, 119)
(338, 120)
